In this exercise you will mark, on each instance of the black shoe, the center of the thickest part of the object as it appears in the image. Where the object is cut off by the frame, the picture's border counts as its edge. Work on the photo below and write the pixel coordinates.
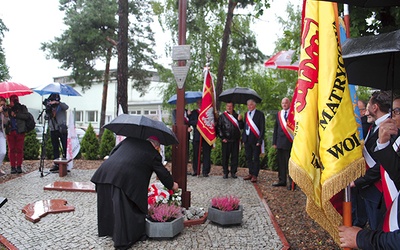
(54, 169)
(234, 176)
(194, 174)
(13, 170)
(205, 175)
(279, 184)
(19, 169)
(225, 176)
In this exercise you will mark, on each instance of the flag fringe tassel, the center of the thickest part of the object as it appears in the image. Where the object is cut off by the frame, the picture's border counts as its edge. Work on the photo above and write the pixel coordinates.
(336, 184)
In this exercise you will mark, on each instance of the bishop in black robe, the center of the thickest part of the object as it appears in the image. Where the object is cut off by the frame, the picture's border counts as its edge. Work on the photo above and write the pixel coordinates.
(122, 183)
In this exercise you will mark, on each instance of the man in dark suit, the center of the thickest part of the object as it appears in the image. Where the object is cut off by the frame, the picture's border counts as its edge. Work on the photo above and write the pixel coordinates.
(253, 137)
(229, 126)
(370, 185)
(122, 182)
(197, 139)
(386, 152)
(282, 141)
(359, 213)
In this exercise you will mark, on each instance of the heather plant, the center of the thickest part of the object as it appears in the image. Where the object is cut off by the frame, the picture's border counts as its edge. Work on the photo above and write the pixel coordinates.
(164, 212)
(225, 203)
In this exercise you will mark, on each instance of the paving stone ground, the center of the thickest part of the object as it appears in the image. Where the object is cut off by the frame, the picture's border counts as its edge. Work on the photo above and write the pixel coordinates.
(78, 229)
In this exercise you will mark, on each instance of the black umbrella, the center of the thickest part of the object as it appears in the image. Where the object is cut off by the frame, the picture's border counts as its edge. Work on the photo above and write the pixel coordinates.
(141, 127)
(368, 3)
(373, 61)
(239, 95)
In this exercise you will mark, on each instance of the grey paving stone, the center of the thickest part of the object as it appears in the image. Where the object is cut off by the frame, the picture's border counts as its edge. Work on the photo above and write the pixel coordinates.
(78, 229)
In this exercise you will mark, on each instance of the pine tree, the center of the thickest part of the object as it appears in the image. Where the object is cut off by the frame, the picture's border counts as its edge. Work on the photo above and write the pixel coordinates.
(107, 143)
(31, 146)
(90, 144)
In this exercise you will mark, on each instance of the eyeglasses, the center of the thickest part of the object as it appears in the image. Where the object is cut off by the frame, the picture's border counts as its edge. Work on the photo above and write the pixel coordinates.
(396, 111)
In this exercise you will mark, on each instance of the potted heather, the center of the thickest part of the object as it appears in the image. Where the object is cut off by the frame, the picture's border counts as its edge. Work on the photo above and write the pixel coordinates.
(165, 218)
(225, 210)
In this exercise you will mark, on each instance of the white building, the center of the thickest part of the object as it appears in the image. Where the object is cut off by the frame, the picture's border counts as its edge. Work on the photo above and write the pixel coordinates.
(87, 107)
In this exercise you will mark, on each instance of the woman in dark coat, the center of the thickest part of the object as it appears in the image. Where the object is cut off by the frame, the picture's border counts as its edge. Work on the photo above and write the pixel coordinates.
(122, 183)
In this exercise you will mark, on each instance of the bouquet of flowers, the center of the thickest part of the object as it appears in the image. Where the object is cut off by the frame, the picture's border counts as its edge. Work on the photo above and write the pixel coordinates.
(164, 205)
(159, 194)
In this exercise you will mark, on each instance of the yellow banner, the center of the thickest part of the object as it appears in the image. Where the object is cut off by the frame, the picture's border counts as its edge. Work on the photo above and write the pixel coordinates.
(327, 153)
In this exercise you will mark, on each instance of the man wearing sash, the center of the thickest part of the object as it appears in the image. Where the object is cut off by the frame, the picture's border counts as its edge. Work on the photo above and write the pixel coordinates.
(370, 185)
(386, 151)
(282, 141)
(229, 125)
(253, 137)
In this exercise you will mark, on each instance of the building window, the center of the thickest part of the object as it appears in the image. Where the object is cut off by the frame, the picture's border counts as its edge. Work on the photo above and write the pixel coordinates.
(108, 118)
(91, 116)
(146, 112)
(78, 116)
(153, 112)
(136, 112)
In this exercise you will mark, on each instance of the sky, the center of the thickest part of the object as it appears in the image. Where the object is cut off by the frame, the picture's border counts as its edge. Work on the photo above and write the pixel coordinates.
(31, 23)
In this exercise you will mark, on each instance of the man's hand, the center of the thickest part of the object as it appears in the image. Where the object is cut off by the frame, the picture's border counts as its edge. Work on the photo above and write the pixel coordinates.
(240, 117)
(348, 236)
(175, 186)
(386, 129)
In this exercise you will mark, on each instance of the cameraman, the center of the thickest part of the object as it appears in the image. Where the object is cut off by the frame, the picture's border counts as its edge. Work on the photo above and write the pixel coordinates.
(3, 121)
(15, 130)
(56, 111)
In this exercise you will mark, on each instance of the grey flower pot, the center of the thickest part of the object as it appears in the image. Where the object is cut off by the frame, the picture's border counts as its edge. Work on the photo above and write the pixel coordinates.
(225, 218)
(164, 229)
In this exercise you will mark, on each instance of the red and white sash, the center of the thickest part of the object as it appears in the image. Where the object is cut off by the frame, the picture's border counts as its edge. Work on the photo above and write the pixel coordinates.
(253, 127)
(282, 122)
(233, 120)
(370, 162)
(386, 184)
(391, 220)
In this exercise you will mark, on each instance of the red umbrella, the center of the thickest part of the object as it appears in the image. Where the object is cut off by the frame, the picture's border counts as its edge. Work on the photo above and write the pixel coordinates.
(8, 89)
(282, 60)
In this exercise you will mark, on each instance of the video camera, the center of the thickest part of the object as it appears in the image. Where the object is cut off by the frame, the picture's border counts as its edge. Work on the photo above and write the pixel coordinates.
(48, 106)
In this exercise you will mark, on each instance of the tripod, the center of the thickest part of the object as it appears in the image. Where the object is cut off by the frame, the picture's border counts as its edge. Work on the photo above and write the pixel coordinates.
(43, 146)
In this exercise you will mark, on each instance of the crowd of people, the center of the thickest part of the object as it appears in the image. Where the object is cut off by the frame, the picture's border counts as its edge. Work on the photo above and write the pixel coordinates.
(231, 128)
(376, 216)
(13, 117)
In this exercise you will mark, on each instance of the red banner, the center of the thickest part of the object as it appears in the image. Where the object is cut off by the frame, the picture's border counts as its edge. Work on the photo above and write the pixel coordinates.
(206, 122)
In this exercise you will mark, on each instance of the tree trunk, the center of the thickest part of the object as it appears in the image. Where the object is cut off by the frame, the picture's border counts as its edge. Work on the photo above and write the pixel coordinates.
(122, 70)
(224, 49)
(105, 91)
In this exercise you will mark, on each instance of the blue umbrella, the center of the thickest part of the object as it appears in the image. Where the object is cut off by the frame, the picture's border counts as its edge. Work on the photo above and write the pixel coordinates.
(57, 88)
(190, 97)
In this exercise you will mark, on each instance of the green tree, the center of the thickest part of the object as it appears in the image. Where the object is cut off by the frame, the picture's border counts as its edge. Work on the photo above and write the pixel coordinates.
(90, 144)
(370, 21)
(92, 35)
(107, 143)
(4, 73)
(205, 29)
(49, 146)
(31, 146)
